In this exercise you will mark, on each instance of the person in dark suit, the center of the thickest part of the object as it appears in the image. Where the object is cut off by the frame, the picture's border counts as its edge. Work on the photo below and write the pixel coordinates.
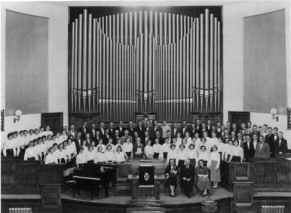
(187, 178)
(249, 149)
(120, 128)
(111, 129)
(281, 145)
(171, 174)
(262, 149)
(269, 139)
(140, 129)
(131, 128)
(102, 129)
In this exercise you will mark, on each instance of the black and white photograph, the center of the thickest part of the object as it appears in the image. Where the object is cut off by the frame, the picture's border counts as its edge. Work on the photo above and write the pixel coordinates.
(125, 106)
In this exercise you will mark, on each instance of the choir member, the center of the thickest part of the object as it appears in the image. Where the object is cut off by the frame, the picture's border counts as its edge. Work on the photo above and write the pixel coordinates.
(51, 157)
(148, 150)
(249, 149)
(165, 148)
(236, 152)
(203, 183)
(179, 139)
(128, 147)
(262, 149)
(120, 155)
(139, 149)
(187, 178)
(101, 146)
(187, 139)
(165, 129)
(91, 154)
(203, 155)
(100, 156)
(109, 153)
(172, 154)
(157, 149)
(214, 165)
(281, 146)
(181, 155)
(192, 154)
(171, 174)
(30, 153)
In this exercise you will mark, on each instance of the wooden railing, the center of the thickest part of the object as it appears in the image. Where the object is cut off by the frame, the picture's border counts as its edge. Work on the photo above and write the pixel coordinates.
(263, 173)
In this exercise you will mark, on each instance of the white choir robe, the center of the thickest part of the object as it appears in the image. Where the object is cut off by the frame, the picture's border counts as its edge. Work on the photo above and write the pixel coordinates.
(172, 154)
(30, 152)
(203, 156)
(120, 157)
(109, 156)
(214, 156)
(127, 147)
(149, 152)
(81, 158)
(207, 144)
(10, 144)
(51, 158)
(60, 154)
(91, 155)
(181, 155)
(157, 148)
(187, 141)
(102, 147)
(99, 157)
(179, 142)
(192, 154)
(165, 148)
(213, 141)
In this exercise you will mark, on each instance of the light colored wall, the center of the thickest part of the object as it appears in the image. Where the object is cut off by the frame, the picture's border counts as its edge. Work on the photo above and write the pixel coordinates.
(57, 51)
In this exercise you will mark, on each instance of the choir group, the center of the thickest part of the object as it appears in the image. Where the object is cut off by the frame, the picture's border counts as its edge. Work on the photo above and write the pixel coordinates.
(195, 152)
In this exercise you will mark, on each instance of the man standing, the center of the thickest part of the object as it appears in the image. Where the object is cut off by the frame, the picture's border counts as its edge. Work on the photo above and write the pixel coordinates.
(281, 145)
(262, 149)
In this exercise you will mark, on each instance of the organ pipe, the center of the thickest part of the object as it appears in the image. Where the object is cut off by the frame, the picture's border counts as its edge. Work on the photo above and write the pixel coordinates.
(146, 61)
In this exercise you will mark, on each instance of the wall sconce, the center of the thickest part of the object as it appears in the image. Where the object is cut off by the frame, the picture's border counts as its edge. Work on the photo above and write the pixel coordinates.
(17, 116)
(274, 113)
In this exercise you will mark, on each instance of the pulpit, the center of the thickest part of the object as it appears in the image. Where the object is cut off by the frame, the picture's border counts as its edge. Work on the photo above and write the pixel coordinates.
(145, 182)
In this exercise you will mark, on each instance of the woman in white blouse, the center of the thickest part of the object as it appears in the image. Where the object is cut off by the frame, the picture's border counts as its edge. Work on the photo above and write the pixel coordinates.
(157, 149)
(109, 154)
(192, 154)
(128, 147)
(148, 150)
(237, 153)
(99, 157)
(179, 139)
(187, 140)
(203, 155)
(120, 155)
(172, 154)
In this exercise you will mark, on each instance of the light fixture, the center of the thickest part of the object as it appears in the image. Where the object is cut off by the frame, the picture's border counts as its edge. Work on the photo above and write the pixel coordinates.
(17, 116)
(274, 114)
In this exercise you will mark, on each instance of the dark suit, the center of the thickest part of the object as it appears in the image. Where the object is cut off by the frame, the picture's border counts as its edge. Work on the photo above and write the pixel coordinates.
(270, 139)
(140, 131)
(249, 150)
(262, 151)
(281, 146)
(187, 185)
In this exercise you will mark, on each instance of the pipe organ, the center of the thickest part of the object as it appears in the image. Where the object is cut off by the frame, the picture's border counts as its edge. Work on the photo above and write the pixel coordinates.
(145, 61)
